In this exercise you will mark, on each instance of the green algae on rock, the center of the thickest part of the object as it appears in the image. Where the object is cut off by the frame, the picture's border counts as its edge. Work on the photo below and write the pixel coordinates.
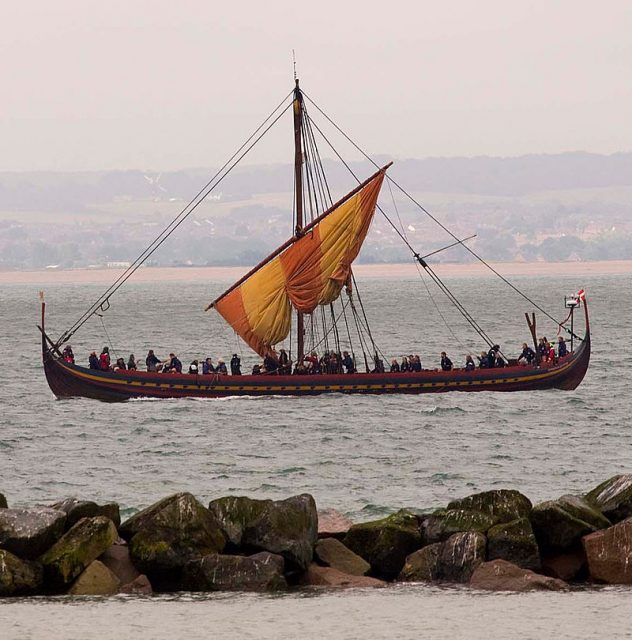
(515, 542)
(76, 549)
(18, 577)
(385, 543)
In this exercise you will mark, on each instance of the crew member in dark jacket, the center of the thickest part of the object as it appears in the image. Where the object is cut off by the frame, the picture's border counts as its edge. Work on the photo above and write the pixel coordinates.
(446, 363)
(94, 360)
(469, 364)
(152, 361)
(173, 366)
(528, 354)
(561, 347)
(235, 365)
(347, 361)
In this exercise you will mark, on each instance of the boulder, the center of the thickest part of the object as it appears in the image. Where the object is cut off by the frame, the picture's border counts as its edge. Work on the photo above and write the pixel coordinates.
(76, 550)
(3, 502)
(500, 575)
(515, 542)
(164, 537)
(504, 505)
(27, 533)
(613, 497)
(460, 555)
(422, 565)
(235, 514)
(332, 553)
(443, 523)
(260, 572)
(96, 580)
(76, 509)
(18, 577)
(386, 543)
(140, 586)
(285, 527)
(560, 524)
(117, 560)
(609, 554)
(317, 576)
(567, 566)
(333, 524)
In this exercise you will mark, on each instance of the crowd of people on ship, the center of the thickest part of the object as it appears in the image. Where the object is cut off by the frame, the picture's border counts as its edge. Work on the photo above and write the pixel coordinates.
(330, 362)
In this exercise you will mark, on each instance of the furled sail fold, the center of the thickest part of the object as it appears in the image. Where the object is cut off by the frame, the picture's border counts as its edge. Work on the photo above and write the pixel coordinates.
(307, 271)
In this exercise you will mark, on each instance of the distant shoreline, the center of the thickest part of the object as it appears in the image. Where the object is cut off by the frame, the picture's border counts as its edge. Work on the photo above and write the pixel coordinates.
(367, 271)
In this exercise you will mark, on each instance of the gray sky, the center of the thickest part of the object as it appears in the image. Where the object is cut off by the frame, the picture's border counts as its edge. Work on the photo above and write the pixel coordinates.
(160, 85)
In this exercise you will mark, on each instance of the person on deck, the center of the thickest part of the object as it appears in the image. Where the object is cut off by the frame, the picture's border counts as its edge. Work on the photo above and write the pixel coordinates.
(492, 356)
(207, 367)
(561, 347)
(446, 363)
(550, 356)
(405, 366)
(194, 367)
(543, 349)
(415, 363)
(235, 365)
(221, 367)
(394, 366)
(313, 364)
(299, 369)
(469, 364)
(528, 354)
(347, 362)
(152, 361)
(270, 365)
(104, 360)
(131, 362)
(379, 365)
(256, 370)
(499, 362)
(173, 366)
(483, 360)
(120, 365)
(284, 363)
(68, 355)
(93, 360)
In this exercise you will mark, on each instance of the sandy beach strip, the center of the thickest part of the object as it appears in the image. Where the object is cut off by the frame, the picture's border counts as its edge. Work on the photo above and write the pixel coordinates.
(364, 271)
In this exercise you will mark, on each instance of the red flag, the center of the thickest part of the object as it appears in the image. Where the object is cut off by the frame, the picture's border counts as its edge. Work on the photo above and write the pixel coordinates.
(581, 294)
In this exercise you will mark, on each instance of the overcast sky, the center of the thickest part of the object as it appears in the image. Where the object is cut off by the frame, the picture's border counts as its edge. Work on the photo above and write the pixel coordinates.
(161, 85)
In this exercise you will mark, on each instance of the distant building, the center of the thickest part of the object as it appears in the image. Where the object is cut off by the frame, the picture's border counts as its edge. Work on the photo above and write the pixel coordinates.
(117, 265)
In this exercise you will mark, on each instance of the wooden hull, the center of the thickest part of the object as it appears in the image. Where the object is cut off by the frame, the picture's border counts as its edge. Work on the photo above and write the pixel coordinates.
(69, 381)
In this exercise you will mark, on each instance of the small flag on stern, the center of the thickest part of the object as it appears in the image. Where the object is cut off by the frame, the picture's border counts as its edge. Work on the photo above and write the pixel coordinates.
(581, 294)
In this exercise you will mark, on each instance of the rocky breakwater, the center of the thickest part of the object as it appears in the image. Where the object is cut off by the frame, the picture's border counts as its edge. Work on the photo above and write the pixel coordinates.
(494, 540)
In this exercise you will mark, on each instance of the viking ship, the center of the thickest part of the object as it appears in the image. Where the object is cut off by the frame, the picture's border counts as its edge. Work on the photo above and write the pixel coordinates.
(290, 297)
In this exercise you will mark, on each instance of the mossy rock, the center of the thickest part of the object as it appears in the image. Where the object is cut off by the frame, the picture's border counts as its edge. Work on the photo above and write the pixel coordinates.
(235, 514)
(18, 577)
(560, 524)
(167, 535)
(76, 549)
(444, 523)
(75, 509)
(613, 497)
(422, 565)
(261, 572)
(285, 527)
(386, 543)
(504, 505)
(460, 555)
(514, 542)
(3, 502)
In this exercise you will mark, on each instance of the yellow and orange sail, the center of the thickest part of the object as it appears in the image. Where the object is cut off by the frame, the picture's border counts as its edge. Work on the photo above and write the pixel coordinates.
(310, 271)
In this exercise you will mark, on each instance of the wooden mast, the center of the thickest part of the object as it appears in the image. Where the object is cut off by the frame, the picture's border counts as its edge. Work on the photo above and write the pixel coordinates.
(298, 182)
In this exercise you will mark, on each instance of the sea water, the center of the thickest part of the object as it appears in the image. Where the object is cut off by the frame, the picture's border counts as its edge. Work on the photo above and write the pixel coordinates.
(365, 455)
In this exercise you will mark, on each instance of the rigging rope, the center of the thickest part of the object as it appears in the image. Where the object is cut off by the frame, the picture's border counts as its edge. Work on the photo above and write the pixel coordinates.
(433, 218)
(182, 216)
(419, 259)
